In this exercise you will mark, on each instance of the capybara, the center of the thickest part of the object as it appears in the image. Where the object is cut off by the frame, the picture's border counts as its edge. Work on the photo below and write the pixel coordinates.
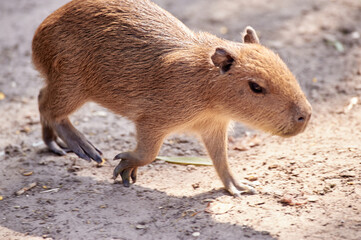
(139, 61)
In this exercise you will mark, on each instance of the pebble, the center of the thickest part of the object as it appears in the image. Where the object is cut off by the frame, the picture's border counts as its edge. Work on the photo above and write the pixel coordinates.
(348, 174)
(273, 166)
(252, 178)
(312, 198)
(355, 35)
(141, 226)
(196, 234)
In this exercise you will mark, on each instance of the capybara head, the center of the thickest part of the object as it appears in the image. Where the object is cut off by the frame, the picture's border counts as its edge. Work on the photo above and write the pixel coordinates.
(260, 89)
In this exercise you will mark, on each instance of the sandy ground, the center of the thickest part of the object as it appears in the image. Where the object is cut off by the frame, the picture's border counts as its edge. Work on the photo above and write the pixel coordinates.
(317, 174)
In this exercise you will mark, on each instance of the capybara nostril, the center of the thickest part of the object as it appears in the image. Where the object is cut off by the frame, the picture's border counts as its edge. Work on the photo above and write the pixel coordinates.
(302, 114)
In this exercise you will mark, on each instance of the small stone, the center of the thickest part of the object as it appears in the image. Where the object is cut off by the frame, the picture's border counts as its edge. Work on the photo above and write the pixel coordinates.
(312, 198)
(355, 35)
(348, 174)
(141, 226)
(251, 178)
(273, 166)
(195, 185)
(196, 234)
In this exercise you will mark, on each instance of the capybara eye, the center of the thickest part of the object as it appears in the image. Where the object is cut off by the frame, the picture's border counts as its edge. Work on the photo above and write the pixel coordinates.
(256, 88)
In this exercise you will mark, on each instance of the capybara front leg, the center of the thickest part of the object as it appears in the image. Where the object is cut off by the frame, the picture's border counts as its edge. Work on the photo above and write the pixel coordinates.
(149, 143)
(215, 140)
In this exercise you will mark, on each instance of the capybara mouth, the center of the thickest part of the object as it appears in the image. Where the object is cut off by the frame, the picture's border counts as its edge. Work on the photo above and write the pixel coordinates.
(291, 132)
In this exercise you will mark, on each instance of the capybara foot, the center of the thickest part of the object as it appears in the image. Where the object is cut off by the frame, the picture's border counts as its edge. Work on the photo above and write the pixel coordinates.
(77, 143)
(237, 189)
(124, 169)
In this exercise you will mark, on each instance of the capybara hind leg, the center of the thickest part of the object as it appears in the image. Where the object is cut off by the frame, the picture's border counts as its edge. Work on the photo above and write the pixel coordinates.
(49, 136)
(76, 141)
(146, 151)
(54, 106)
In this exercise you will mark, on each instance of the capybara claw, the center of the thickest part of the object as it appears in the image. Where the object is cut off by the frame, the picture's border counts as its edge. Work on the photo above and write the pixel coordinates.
(239, 189)
(124, 173)
(53, 147)
(117, 171)
(126, 182)
(124, 170)
(246, 189)
(134, 174)
(119, 156)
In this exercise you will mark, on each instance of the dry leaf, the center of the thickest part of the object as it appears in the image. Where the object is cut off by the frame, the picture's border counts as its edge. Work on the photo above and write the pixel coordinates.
(51, 190)
(187, 160)
(331, 40)
(27, 173)
(1, 198)
(26, 188)
(102, 163)
(193, 214)
(25, 129)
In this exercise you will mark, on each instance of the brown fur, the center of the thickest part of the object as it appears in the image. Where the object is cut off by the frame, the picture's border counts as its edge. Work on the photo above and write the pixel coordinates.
(139, 61)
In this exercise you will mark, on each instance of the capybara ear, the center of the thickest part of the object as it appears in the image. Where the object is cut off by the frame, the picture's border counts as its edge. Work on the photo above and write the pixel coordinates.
(250, 35)
(222, 59)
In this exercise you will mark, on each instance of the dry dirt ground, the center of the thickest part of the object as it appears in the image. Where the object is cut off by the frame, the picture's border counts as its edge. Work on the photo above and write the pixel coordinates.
(317, 175)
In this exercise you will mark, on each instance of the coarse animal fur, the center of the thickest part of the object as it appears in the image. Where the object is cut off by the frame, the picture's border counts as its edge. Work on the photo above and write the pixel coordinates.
(139, 61)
